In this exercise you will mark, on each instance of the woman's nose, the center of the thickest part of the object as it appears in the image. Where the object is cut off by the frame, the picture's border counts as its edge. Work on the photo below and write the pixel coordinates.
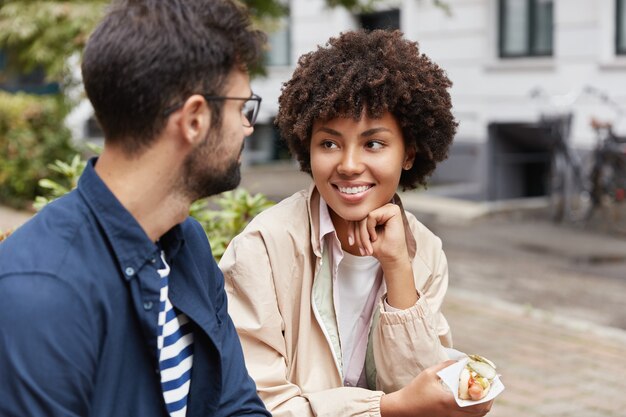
(350, 163)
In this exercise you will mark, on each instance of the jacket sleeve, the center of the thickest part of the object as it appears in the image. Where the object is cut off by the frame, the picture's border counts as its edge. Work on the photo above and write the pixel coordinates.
(239, 396)
(254, 307)
(226, 388)
(48, 351)
(407, 341)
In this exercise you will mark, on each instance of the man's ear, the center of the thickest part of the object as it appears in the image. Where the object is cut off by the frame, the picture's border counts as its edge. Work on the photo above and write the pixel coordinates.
(195, 119)
(409, 158)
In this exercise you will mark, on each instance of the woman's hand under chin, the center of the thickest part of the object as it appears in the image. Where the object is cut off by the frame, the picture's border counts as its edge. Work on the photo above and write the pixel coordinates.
(382, 235)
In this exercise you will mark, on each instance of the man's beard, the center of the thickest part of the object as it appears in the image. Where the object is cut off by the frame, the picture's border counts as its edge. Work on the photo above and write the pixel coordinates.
(205, 174)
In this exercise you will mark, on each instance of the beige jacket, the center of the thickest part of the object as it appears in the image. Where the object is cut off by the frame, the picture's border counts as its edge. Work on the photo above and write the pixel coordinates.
(280, 302)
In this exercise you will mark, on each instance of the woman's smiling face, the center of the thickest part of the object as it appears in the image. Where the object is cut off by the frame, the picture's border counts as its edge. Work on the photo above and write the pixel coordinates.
(356, 165)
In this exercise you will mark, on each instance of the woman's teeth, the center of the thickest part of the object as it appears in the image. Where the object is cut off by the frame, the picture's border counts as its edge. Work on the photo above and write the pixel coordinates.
(354, 190)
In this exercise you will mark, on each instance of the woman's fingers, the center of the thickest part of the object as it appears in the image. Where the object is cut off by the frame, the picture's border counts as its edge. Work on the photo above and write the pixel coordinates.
(358, 235)
(354, 226)
(364, 232)
(362, 238)
(371, 221)
(351, 240)
(380, 217)
(366, 236)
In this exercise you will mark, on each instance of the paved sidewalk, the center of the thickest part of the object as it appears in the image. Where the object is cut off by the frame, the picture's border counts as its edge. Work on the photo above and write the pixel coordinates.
(550, 366)
(11, 219)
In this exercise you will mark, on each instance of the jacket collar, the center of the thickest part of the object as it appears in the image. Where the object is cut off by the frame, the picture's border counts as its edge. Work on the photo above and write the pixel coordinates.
(130, 243)
(313, 202)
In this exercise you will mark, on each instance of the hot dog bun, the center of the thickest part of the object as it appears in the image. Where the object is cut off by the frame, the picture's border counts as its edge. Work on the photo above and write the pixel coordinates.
(475, 378)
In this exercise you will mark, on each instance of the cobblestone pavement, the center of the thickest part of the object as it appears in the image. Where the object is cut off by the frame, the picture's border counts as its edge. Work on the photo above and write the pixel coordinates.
(549, 368)
(567, 272)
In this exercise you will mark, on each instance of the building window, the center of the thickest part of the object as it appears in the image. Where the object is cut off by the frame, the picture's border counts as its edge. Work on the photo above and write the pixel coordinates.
(526, 28)
(620, 26)
(279, 45)
(387, 19)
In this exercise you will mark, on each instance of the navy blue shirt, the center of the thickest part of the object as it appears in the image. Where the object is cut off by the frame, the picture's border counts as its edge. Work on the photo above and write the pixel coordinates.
(79, 301)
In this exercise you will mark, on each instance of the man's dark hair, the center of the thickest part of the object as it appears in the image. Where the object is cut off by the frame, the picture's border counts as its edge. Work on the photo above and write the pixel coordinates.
(377, 71)
(148, 55)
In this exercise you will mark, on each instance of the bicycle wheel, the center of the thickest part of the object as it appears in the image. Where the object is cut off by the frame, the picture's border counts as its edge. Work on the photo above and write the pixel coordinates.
(556, 186)
(578, 199)
(613, 200)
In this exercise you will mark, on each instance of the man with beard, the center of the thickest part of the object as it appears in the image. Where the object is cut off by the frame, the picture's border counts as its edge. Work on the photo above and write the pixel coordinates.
(112, 304)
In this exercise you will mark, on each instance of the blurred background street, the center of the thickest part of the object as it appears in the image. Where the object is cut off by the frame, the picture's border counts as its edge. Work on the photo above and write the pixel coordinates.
(544, 300)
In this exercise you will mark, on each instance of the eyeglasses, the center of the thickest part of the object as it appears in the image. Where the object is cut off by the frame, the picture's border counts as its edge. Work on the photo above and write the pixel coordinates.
(249, 111)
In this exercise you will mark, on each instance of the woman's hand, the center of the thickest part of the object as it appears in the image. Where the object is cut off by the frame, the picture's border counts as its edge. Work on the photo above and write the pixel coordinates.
(426, 396)
(381, 234)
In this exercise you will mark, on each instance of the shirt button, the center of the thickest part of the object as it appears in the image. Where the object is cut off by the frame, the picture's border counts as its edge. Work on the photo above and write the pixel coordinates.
(147, 305)
(157, 371)
(348, 384)
(153, 260)
(129, 271)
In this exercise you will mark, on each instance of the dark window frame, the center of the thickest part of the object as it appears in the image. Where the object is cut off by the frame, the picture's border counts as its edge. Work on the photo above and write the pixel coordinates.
(620, 27)
(531, 38)
(390, 19)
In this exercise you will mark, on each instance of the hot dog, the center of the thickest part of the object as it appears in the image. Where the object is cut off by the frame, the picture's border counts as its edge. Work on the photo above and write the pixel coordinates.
(476, 378)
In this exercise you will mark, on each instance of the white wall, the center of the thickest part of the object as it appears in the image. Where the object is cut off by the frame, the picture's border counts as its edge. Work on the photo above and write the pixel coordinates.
(312, 24)
(486, 88)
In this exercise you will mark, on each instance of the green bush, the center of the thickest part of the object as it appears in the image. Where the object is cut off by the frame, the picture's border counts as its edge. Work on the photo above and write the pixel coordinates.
(222, 217)
(32, 136)
(234, 210)
(70, 174)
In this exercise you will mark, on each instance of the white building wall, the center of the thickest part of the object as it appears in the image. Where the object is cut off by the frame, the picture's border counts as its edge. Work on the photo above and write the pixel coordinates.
(486, 88)
(312, 23)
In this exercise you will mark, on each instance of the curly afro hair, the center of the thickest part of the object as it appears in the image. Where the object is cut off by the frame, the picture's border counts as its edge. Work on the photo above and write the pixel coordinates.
(377, 71)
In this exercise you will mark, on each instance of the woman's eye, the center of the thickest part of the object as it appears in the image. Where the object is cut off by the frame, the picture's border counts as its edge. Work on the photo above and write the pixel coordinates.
(328, 145)
(374, 144)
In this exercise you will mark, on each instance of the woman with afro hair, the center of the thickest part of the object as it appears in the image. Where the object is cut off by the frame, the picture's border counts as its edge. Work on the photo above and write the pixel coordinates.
(336, 291)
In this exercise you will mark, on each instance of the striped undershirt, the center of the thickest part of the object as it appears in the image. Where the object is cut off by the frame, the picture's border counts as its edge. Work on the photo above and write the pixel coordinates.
(175, 343)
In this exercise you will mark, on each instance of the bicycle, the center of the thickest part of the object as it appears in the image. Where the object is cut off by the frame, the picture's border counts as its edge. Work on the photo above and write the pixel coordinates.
(607, 178)
(566, 181)
(579, 187)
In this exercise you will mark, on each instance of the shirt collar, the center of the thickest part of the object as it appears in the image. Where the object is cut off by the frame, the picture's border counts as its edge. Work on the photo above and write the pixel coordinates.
(327, 232)
(130, 243)
(326, 223)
